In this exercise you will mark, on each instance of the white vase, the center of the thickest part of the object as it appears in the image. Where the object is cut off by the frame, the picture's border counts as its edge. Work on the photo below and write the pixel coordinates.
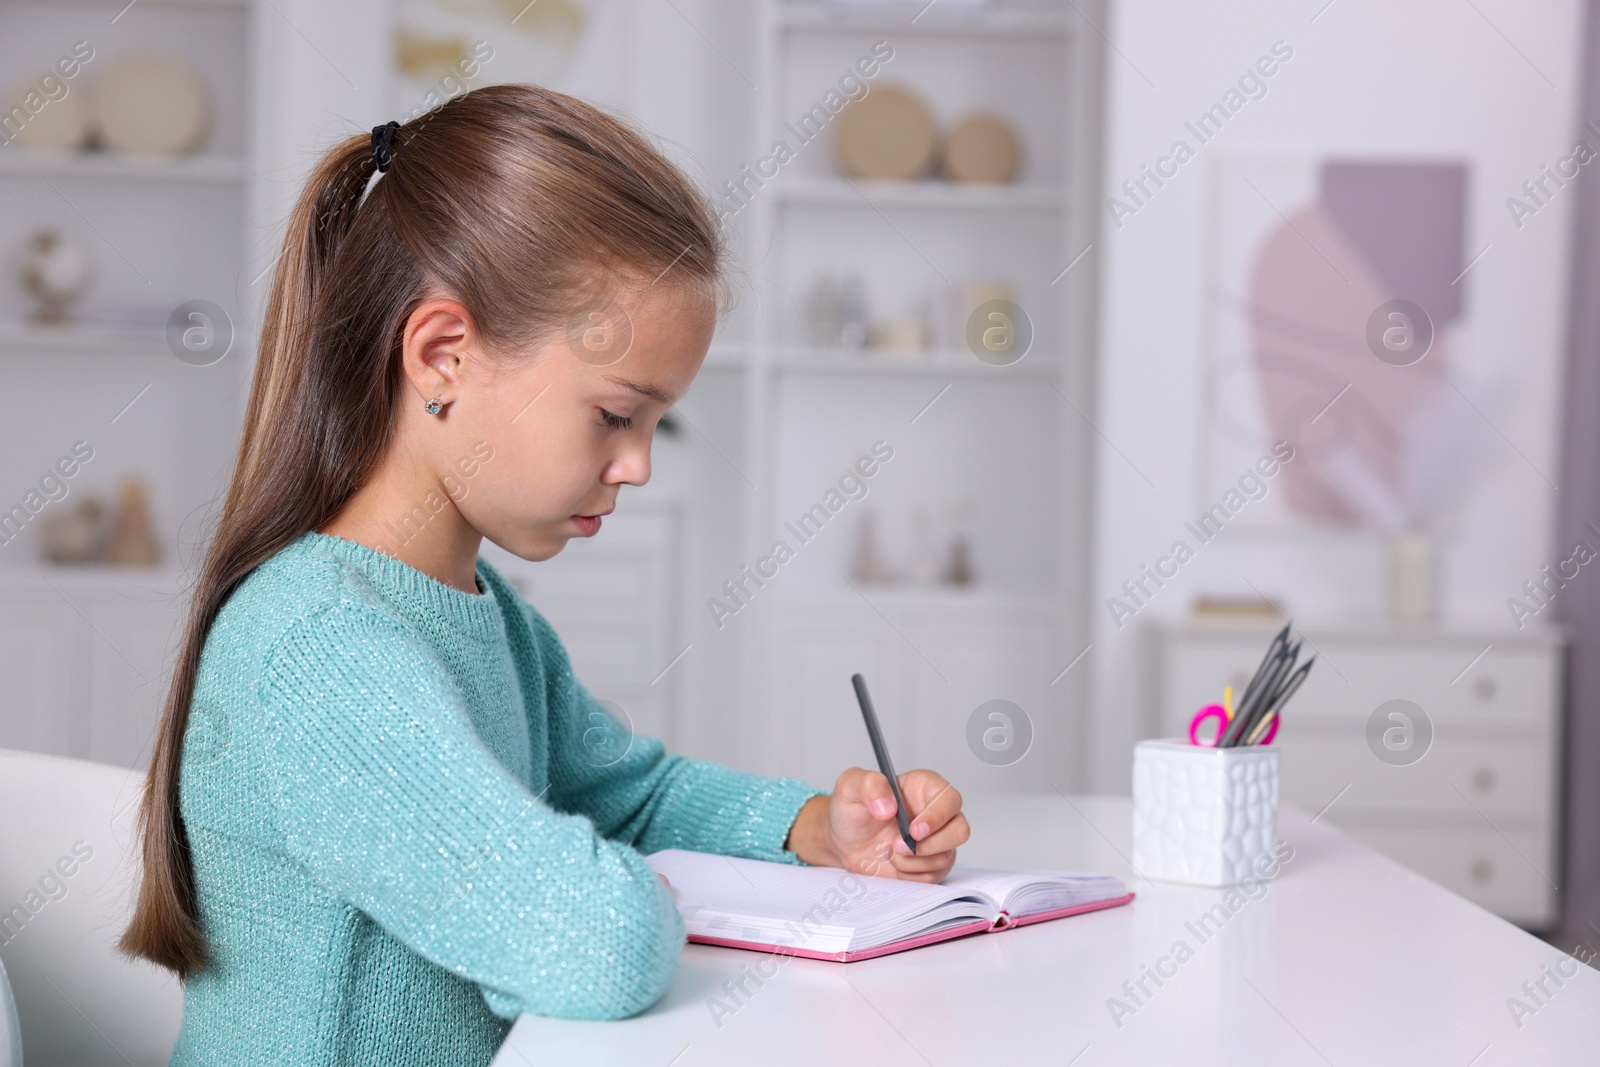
(1411, 578)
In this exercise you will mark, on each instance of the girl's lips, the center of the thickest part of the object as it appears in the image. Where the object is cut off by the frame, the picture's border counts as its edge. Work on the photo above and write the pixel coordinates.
(588, 525)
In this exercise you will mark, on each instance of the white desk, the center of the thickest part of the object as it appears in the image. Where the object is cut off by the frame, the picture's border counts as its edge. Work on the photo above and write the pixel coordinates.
(1348, 958)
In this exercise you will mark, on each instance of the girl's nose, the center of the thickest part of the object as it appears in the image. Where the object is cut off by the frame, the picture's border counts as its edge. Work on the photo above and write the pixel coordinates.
(633, 466)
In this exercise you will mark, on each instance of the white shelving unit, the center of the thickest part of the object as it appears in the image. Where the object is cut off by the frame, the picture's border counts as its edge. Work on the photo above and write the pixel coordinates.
(1004, 437)
(87, 649)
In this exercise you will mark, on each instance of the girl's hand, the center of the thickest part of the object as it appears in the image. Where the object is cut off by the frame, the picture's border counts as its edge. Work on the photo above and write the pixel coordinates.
(859, 832)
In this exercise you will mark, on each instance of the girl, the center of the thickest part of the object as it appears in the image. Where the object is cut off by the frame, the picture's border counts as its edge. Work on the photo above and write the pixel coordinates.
(375, 831)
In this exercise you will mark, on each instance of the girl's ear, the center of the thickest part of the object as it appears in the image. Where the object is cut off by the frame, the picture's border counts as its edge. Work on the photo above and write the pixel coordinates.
(435, 346)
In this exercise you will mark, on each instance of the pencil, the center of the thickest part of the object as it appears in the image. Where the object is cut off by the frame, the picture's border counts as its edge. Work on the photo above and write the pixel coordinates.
(1248, 716)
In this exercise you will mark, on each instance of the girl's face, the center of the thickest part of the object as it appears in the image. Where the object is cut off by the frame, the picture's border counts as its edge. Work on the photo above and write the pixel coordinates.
(532, 448)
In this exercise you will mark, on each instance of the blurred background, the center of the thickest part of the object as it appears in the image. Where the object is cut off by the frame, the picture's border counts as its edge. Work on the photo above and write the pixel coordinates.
(1156, 324)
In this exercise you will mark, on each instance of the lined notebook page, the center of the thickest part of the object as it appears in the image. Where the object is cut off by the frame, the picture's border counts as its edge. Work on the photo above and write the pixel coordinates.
(783, 904)
(1023, 892)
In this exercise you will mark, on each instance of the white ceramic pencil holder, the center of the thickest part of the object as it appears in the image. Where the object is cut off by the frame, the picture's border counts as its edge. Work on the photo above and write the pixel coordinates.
(1204, 816)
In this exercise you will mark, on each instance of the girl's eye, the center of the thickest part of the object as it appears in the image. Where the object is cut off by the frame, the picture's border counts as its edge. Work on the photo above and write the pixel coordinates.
(616, 422)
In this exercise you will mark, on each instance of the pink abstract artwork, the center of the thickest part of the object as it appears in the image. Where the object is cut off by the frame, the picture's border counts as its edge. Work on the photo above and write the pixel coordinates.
(1320, 278)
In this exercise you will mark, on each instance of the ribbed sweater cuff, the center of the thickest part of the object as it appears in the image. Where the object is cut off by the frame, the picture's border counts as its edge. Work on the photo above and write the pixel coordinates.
(773, 813)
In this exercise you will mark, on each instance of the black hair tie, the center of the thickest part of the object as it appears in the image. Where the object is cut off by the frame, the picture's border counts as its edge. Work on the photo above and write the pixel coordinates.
(383, 144)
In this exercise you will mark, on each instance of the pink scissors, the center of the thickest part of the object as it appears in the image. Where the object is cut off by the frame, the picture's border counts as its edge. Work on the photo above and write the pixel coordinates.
(1223, 713)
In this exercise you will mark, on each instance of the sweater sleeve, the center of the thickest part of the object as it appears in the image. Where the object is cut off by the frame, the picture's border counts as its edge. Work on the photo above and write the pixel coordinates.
(638, 793)
(385, 793)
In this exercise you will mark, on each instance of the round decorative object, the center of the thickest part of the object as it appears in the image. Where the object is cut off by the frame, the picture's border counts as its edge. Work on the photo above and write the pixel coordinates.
(434, 406)
(889, 133)
(51, 125)
(983, 147)
(151, 103)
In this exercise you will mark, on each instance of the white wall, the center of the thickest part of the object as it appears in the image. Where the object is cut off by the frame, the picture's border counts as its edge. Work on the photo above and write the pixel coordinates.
(1493, 82)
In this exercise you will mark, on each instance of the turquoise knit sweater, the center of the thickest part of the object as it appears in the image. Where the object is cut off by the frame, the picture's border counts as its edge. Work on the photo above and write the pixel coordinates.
(410, 823)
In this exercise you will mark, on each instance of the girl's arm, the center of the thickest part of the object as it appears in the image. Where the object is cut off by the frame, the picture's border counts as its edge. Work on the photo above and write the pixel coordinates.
(386, 795)
(648, 798)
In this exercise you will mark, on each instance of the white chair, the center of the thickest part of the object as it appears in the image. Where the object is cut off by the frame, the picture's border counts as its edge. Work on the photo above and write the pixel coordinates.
(67, 876)
(10, 1033)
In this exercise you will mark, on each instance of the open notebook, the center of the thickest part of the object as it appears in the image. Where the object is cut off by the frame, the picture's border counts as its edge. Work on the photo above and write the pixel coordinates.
(828, 913)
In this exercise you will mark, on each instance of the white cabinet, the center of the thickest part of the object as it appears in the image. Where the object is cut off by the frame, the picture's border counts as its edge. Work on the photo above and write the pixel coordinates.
(131, 657)
(814, 725)
(1473, 802)
(930, 663)
(87, 654)
(41, 662)
(87, 658)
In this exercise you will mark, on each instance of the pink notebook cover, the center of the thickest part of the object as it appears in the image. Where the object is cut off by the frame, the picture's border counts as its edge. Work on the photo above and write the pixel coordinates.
(977, 926)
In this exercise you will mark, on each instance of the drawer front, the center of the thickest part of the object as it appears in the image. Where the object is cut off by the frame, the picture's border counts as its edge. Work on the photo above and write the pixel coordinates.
(1506, 688)
(1506, 875)
(1510, 776)
(44, 650)
(128, 674)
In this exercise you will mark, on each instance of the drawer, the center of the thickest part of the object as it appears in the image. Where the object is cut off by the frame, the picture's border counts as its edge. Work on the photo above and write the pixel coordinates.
(1506, 687)
(1510, 776)
(1507, 877)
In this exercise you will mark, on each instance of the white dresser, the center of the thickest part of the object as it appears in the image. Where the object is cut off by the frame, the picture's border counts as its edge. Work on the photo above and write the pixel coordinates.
(933, 660)
(86, 657)
(1440, 748)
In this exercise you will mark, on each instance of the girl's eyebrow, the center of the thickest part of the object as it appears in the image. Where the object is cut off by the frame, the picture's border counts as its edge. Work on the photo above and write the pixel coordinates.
(654, 392)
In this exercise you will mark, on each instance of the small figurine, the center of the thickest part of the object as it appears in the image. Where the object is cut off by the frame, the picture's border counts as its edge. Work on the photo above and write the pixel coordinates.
(924, 565)
(822, 313)
(959, 570)
(133, 543)
(75, 535)
(55, 270)
(867, 567)
(852, 312)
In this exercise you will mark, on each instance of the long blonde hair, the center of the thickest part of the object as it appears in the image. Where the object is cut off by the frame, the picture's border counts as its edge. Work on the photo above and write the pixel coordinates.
(511, 198)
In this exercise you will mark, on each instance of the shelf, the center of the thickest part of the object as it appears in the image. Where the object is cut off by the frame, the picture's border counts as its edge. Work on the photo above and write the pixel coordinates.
(120, 5)
(933, 20)
(926, 193)
(162, 581)
(18, 338)
(107, 166)
(930, 364)
(1374, 629)
(903, 596)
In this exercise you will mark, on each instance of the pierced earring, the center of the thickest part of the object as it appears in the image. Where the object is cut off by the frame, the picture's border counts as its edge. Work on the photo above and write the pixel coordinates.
(434, 406)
